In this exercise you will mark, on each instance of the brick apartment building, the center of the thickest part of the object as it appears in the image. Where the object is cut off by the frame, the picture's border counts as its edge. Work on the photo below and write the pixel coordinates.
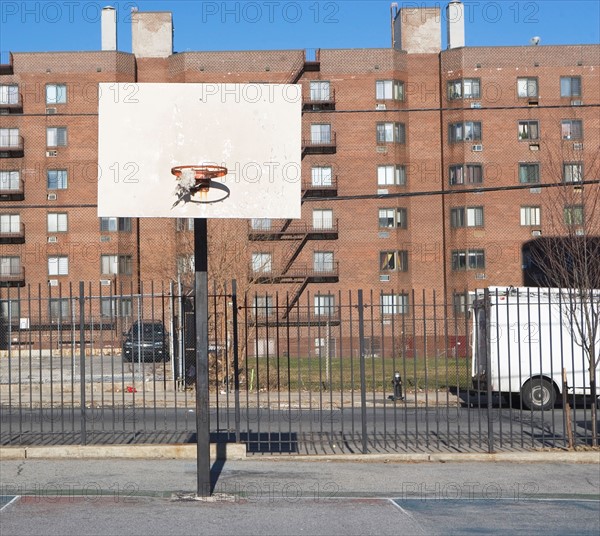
(422, 168)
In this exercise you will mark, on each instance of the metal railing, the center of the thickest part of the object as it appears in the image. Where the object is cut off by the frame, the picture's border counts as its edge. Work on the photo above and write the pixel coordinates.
(341, 373)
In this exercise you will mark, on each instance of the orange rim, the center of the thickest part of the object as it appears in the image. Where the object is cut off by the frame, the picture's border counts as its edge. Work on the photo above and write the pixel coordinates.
(203, 173)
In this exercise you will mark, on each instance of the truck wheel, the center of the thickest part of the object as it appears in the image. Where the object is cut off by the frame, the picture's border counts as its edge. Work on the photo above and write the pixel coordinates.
(538, 394)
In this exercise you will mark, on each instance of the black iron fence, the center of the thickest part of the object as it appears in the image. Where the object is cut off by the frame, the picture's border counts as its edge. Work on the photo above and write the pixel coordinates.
(400, 371)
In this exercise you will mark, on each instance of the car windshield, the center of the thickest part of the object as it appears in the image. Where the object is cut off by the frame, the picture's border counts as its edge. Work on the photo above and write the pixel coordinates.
(147, 330)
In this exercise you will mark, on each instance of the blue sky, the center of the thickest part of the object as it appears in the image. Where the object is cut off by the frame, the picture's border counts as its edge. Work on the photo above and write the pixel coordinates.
(281, 24)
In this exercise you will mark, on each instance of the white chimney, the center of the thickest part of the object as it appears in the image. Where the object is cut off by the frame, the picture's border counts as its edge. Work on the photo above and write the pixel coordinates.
(455, 19)
(109, 28)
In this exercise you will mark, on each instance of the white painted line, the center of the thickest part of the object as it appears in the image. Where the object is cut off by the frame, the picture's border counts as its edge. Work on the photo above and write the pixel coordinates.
(13, 500)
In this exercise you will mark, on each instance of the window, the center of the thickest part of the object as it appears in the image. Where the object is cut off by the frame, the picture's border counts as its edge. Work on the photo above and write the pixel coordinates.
(394, 304)
(573, 215)
(466, 217)
(390, 132)
(321, 176)
(116, 307)
(260, 224)
(320, 133)
(322, 219)
(462, 301)
(573, 172)
(570, 86)
(391, 175)
(57, 222)
(185, 264)
(56, 136)
(57, 179)
(530, 216)
(9, 137)
(527, 87)
(467, 131)
(466, 174)
(59, 309)
(9, 94)
(116, 264)
(262, 262)
(319, 90)
(393, 218)
(56, 93)
(324, 304)
(10, 309)
(469, 88)
(529, 173)
(184, 224)
(58, 265)
(10, 180)
(115, 224)
(263, 306)
(572, 129)
(529, 130)
(10, 266)
(393, 261)
(389, 90)
(10, 223)
(323, 262)
(469, 259)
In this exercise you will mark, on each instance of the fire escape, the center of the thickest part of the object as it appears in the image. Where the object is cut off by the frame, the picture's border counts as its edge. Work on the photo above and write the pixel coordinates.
(294, 235)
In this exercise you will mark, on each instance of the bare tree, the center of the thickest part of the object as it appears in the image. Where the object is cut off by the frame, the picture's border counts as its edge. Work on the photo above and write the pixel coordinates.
(568, 255)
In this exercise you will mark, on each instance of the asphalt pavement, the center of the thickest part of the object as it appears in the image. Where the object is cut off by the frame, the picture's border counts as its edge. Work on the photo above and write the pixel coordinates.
(291, 495)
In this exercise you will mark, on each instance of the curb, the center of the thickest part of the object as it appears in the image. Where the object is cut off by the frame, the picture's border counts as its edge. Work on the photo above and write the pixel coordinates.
(233, 451)
(226, 451)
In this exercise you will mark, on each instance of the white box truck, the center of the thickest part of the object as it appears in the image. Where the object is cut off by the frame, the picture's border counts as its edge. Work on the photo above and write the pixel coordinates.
(522, 338)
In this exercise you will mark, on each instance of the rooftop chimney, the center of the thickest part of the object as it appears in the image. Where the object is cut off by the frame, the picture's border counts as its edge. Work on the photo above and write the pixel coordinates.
(152, 34)
(109, 28)
(455, 19)
(416, 30)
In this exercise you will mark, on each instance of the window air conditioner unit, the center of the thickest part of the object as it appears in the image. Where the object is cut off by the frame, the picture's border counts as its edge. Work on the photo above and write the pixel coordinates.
(51, 153)
(53, 282)
(576, 103)
(105, 238)
(533, 103)
(578, 146)
(382, 191)
(534, 146)
(579, 232)
(52, 240)
(105, 282)
(384, 278)
(382, 149)
(536, 232)
(380, 107)
(51, 197)
(475, 105)
(479, 276)
(535, 190)
(50, 111)
(477, 148)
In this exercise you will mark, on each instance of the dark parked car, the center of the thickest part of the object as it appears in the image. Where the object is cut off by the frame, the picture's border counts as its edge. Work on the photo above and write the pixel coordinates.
(146, 341)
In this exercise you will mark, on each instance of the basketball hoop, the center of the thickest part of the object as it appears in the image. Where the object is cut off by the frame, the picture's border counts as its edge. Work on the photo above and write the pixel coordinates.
(198, 180)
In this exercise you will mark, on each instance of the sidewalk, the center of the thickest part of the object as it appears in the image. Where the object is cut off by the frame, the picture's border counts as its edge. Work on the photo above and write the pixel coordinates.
(278, 495)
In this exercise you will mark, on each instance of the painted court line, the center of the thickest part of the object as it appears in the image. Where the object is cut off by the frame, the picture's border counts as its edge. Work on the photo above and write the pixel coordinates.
(13, 500)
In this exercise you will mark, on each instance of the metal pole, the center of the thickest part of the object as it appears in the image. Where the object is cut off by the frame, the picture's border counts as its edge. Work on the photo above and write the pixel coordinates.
(202, 398)
(82, 360)
(236, 362)
(488, 368)
(363, 383)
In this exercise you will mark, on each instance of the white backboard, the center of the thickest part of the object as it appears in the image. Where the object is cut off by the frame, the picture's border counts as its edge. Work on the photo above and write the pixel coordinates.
(254, 130)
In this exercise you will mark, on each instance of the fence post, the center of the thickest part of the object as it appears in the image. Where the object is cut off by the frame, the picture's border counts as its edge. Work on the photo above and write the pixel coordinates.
(82, 360)
(236, 363)
(363, 383)
(488, 370)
